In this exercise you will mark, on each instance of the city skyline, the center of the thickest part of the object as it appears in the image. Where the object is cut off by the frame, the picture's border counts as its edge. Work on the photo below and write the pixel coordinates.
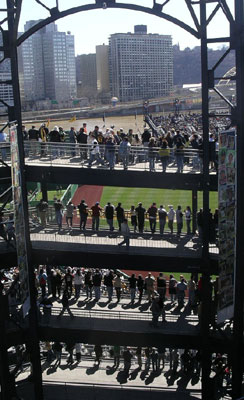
(108, 23)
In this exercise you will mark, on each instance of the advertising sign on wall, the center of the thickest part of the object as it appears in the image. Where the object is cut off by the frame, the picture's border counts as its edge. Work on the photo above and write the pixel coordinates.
(19, 221)
(227, 220)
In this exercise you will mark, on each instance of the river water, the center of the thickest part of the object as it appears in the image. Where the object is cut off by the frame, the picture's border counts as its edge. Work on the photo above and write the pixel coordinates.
(125, 122)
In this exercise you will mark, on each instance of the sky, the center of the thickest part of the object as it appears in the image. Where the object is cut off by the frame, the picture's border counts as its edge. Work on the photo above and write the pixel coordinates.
(94, 27)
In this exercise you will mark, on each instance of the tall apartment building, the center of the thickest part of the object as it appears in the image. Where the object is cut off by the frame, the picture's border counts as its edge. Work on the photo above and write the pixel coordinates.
(48, 64)
(86, 74)
(102, 62)
(141, 64)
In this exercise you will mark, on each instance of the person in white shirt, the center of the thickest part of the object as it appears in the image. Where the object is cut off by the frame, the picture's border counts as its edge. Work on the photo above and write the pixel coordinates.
(171, 215)
(162, 213)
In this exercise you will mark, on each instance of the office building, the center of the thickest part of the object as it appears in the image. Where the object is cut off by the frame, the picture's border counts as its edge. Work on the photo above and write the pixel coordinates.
(141, 65)
(86, 74)
(102, 62)
(48, 64)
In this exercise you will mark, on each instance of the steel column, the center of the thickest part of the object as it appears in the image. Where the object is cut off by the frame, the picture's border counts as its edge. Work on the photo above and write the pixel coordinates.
(33, 337)
(205, 315)
(239, 275)
(6, 381)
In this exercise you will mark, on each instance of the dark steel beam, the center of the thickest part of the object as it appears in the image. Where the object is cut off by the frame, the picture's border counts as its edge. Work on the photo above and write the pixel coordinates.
(16, 110)
(87, 7)
(239, 273)
(205, 316)
(56, 255)
(86, 176)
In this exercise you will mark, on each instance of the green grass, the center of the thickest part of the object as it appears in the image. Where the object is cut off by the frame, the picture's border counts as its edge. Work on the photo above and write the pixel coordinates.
(51, 195)
(129, 196)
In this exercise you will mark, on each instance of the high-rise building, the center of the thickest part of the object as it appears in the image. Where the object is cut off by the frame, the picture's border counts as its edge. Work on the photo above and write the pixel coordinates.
(102, 62)
(141, 64)
(86, 74)
(48, 64)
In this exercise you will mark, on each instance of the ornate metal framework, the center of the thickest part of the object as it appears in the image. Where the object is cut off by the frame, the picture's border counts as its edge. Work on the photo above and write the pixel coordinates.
(201, 18)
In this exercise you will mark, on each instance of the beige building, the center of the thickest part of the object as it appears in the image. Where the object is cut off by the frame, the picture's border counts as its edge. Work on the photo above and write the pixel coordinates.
(102, 61)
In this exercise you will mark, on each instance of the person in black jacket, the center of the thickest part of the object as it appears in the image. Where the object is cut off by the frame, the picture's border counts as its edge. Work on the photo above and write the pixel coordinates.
(54, 137)
(65, 303)
(140, 286)
(109, 214)
(82, 140)
(120, 214)
(108, 282)
(33, 134)
(140, 211)
(97, 280)
(132, 281)
(83, 210)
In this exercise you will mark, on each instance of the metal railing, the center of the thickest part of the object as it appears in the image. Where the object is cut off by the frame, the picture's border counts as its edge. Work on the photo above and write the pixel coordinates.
(123, 315)
(105, 157)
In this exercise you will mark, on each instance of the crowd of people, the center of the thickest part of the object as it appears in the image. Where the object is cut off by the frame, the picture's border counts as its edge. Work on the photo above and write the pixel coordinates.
(176, 142)
(173, 363)
(128, 221)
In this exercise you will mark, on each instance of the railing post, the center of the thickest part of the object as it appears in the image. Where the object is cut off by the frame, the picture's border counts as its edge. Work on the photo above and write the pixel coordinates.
(194, 211)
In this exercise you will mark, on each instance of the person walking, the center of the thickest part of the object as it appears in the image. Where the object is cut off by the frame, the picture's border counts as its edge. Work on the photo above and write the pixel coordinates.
(96, 212)
(125, 230)
(171, 216)
(65, 304)
(140, 211)
(83, 210)
(109, 214)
